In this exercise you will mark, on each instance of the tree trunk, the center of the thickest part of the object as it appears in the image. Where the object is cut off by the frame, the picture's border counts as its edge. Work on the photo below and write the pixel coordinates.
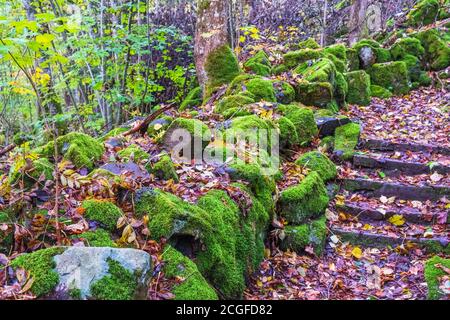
(357, 20)
(211, 33)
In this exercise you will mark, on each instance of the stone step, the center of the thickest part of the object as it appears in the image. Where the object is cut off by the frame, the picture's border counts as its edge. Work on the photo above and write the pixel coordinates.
(370, 239)
(382, 145)
(377, 189)
(408, 168)
(364, 213)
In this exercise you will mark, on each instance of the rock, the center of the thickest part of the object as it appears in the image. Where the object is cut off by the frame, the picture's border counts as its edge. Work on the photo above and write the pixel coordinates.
(327, 125)
(367, 57)
(79, 268)
(131, 168)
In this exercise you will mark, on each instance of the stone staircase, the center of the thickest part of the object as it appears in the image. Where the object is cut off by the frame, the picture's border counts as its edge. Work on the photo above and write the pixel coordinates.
(387, 200)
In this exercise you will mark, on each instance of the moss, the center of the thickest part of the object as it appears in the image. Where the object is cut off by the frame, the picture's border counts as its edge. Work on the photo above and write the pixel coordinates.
(284, 92)
(236, 112)
(259, 64)
(221, 67)
(279, 69)
(432, 275)
(414, 67)
(288, 133)
(309, 43)
(233, 101)
(437, 52)
(352, 59)
(338, 50)
(103, 212)
(341, 89)
(97, 238)
(322, 70)
(312, 234)
(340, 65)
(164, 169)
(318, 94)
(158, 126)
(133, 152)
(105, 174)
(81, 149)
(40, 265)
(407, 46)
(21, 137)
(380, 92)
(113, 133)
(193, 285)
(193, 99)
(39, 167)
(262, 89)
(358, 87)
(346, 140)
(238, 86)
(196, 129)
(317, 161)
(423, 13)
(294, 58)
(75, 293)
(424, 79)
(304, 123)
(306, 200)
(327, 143)
(380, 55)
(391, 75)
(119, 284)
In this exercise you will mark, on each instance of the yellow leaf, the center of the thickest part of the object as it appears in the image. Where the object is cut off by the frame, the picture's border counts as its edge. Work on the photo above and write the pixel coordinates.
(397, 220)
(357, 252)
(157, 126)
(367, 227)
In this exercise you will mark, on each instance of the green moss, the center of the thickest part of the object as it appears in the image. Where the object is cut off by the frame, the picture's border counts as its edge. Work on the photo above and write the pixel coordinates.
(133, 152)
(81, 149)
(318, 94)
(158, 126)
(75, 293)
(309, 43)
(352, 59)
(380, 92)
(196, 128)
(317, 161)
(304, 123)
(346, 140)
(284, 92)
(423, 13)
(236, 112)
(340, 65)
(424, 79)
(279, 69)
(391, 75)
(306, 200)
(119, 284)
(233, 101)
(259, 64)
(40, 265)
(165, 169)
(414, 67)
(338, 50)
(193, 285)
(380, 54)
(437, 52)
(39, 167)
(358, 87)
(104, 212)
(328, 143)
(294, 58)
(288, 133)
(238, 86)
(322, 70)
(193, 99)
(261, 89)
(113, 133)
(97, 238)
(341, 89)
(407, 46)
(432, 275)
(313, 234)
(221, 67)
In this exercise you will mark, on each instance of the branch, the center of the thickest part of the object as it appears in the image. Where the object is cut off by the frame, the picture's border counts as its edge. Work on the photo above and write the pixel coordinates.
(142, 127)
(7, 149)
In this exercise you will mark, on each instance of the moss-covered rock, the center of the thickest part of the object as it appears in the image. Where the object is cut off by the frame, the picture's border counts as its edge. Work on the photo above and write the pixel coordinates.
(414, 67)
(358, 87)
(133, 153)
(190, 284)
(284, 92)
(261, 89)
(319, 162)
(104, 212)
(346, 140)
(437, 52)
(341, 89)
(157, 127)
(306, 200)
(259, 64)
(340, 65)
(339, 50)
(238, 85)
(81, 149)
(221, 67)
(407, 46)
(113, 133)
(314, 234)
(279, 69)
(303, 121)
(352, 59)
(97, 238)
(164, 169)
(392, 76)
(319, 94)
(309, 43)
(432, 275)
(380, 92)
(370, 52)
(294, 58)
(233, 102)
(193, 99)
(40, 265)
(31, 175)
(288, 133)
(423, 13)
(322, 70)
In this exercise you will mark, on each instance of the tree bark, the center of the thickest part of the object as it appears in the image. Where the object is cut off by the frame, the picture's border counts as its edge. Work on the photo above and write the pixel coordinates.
(211, 33)
(357, 20)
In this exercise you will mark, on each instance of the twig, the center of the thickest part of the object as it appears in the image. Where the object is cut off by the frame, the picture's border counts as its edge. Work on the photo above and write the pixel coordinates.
(7, 149)
(142, 127)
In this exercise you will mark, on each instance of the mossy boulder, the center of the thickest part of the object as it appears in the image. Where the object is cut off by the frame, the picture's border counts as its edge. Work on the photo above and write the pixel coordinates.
(309, 43)
(238, 85)
(407, 46)
(306, 200)
(81, 149)
(437, 52)
(294, 58)
(319, 94)
(338, 50)
(279, 69)
(133, 153)
(288, 133)
(313, 234)
(432, 275)
(259, 64)
(261, 89)
(103, 212)
(235, 101)
(193, 99)
(341, 89)
(323, 70)
(97, 238)
(392, 76)
(370, 52)
(358, 87)
(284, 92)
(303, 120)
(414, 68)
(189, 282)
(158, 126)
(319, 162)
(164, 169)
(352, 59)
(221, 68)
(380, 92)
(346, 140)
(423, 13)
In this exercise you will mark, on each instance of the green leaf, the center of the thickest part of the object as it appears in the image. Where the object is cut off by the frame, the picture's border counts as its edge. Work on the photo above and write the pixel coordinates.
(45, 38)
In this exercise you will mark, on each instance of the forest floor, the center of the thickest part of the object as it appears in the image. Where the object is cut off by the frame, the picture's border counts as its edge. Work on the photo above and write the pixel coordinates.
(364, 269)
